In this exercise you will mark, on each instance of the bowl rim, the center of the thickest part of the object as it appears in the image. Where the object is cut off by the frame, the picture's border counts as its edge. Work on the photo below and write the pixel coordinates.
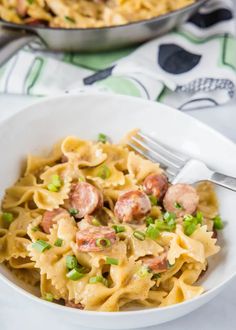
(162, 107)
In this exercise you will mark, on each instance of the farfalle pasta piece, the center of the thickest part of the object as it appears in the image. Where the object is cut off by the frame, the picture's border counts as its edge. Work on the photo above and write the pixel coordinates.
(208, 203)
(35, 163)
(205, 238)
(116, 155)
(28, 189)
(182, 245)
(105, 175)
(139, 167)
(82, 152)
(145, 247)
(114, 192)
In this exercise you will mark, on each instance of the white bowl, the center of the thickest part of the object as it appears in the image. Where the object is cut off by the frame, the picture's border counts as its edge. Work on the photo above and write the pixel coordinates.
(39, 126)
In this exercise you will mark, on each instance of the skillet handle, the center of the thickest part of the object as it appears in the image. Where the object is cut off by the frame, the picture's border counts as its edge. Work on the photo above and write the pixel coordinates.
(11, 41)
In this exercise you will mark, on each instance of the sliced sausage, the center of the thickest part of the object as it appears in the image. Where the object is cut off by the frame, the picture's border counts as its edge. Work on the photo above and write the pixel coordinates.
(95, 239)
(71, 303)
(132, 206)
(21, 7)
(181, 199)
(85, 198)
(156, 185)
(156, 264)
(48, 218)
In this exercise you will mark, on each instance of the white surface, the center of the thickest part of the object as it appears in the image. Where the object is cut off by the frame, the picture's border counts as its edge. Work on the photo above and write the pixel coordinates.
(18, 312)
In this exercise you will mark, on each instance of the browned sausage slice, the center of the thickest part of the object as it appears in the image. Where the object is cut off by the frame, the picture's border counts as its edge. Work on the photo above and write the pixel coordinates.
(132, 206)
(181, 199)
(49, 216)
(156, 185)
(95, 239)
(156, 264)
(71, 303)
(85, 198)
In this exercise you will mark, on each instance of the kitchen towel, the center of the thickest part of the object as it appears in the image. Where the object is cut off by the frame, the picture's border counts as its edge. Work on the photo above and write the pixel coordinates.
(192, 67)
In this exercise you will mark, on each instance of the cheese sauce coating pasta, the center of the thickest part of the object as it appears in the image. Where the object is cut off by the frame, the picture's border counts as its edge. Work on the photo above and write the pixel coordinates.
(85, 13)
(99, 227)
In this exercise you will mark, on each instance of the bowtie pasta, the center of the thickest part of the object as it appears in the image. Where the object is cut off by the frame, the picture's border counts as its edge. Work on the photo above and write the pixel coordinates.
(96, 226)
(85, 13)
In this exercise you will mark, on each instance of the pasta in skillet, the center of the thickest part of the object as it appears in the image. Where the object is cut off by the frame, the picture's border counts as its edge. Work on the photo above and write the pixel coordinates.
(96, 217)
(85, 13)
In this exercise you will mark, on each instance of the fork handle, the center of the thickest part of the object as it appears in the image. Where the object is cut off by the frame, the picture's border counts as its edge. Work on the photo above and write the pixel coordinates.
(224, 180)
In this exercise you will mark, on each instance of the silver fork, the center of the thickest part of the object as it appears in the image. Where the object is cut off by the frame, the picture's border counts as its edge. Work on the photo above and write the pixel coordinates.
(179, 168)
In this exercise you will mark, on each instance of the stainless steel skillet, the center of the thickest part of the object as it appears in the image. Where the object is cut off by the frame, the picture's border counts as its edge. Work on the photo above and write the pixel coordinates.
(15, 36)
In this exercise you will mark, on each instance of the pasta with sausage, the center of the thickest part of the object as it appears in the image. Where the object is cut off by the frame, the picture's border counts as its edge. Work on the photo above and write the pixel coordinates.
(96, 217)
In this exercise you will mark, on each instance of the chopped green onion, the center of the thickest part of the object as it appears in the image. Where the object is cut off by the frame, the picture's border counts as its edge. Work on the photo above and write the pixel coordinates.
(139, 235)
(71, 262)
(34, 229)
(95, 222)
(156, 276)
(189, 228)
(48, 297)
(41, 245)
(58, 242)
(152, 231)
(178, 205)
(98, 279)
(69, 19)
(103, 242)
(52, 188)
(56, 181)
(218, 223)
(153, 200)
(112, 261)
(74, 275)
(73, 211)
(81, 179)
(30, 2)
(104, 172)
(143, 271)
(118, 229)
(188, 217)
(199, 217)
(149, 221)
(8, 217)
(169, 216)
(102, 138)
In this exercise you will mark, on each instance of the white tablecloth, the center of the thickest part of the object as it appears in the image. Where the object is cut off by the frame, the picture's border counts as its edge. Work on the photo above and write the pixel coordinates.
(18, 312)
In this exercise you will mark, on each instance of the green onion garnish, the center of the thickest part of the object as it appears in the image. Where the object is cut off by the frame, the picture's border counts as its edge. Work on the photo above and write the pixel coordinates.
(190, 223)
(48, 297)
(152, 231)
(149, 221)
(218, 223)
(118, 229)
(71, 262)
(95, 222)
(52, 188)
(189, 228)
(34, 229)
(56, 181)
(41, 245)
(143, 271)
(178, 206)
(73, 211)
(98, 279)
(104, 172)
(81, 179)
(199, 217)
(112, 261)
(102, 138)
(58, 242)
(103, 242)
(139, 235)
(69, 19)
(8, 217)
(30, 2)
(153, 200)
(169, 216)
(74, 275)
